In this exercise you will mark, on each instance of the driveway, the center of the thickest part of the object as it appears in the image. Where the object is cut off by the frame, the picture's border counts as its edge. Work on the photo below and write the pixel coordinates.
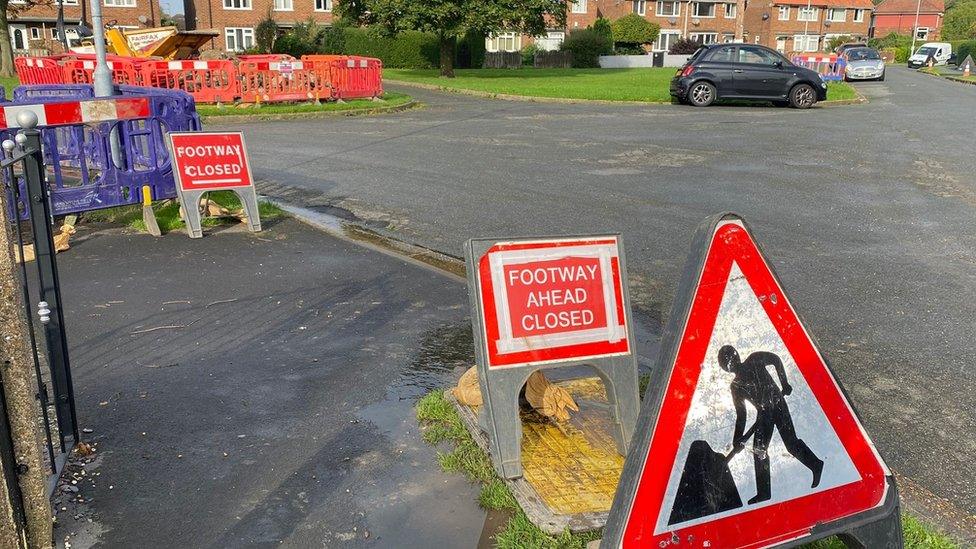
(867, 211)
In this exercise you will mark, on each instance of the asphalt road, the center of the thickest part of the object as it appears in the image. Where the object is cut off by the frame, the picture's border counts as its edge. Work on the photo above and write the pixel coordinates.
(867, 212)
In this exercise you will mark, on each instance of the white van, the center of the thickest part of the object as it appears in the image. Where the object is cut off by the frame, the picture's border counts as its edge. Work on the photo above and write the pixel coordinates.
(940, 51)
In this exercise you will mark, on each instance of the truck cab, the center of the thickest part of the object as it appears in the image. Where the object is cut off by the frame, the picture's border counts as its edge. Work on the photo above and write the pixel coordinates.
(938, 51)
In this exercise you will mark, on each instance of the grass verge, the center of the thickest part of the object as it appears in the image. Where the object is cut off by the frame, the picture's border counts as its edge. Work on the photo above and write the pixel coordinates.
(168, 213)
(440, 423)
(645, 84)
(9, 83)
(387, 100)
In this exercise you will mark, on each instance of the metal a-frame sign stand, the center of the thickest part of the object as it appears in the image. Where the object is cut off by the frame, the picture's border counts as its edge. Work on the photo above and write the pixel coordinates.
(506, 359)
(727, 271)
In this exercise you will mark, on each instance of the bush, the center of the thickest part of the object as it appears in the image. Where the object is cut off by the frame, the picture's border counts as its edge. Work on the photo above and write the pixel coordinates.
(633, 30)
(265, 34)
(902, 54)
(603, 26)
(332, 40)
(587, 46)
(406, 50)
(528, 54)
(892, 40)
(470, 53)
(837, 41)
(301, 40)
(965, 48)
(685, 46)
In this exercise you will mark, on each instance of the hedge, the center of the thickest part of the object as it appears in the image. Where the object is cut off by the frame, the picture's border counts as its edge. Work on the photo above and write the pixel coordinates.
(407, 50)
(587, 46)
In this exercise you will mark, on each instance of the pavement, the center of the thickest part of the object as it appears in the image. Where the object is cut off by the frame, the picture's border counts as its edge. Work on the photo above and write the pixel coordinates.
(865, 210)
(257, 390)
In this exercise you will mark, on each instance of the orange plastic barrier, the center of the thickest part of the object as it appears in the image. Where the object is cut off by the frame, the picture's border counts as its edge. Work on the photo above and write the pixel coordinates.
(356, 77)
(79, 71)
(206, 81)
(38, 70)
(265, 82)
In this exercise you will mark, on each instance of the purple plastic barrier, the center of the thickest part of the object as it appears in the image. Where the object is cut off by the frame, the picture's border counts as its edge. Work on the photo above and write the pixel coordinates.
(80, 166)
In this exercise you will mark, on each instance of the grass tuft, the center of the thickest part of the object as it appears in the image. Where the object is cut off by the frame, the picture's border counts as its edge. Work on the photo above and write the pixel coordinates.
(495, 495)
(387, 100)
(168, 213)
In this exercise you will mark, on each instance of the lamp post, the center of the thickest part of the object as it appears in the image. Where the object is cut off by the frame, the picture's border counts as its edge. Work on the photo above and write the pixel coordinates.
(102, 77)
(918, 8)
(806, 29)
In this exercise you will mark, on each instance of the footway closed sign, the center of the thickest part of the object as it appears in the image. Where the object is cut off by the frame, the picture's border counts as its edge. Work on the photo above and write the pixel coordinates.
(210, 160)
(551, 300)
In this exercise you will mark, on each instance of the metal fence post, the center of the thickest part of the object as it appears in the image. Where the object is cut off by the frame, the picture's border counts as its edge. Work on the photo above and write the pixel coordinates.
(47, 271)
(23, 472)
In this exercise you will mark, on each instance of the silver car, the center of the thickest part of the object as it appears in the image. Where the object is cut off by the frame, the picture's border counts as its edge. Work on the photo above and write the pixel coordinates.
(863, 64)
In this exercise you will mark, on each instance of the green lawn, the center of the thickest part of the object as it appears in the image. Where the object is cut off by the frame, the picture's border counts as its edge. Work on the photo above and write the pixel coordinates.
(9, 83)
(602, 84)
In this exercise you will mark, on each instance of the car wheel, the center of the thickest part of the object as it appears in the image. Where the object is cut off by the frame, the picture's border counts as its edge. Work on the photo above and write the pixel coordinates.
(701, 94)
(802, 96)
(881, 78)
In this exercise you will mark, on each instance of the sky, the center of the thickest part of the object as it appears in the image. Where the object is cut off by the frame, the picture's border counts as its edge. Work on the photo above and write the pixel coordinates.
(172, 7)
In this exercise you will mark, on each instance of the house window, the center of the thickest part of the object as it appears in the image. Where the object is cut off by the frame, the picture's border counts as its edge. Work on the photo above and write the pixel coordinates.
(806, 42)
(757, 39)
(237, 4)
(323, 5)
(121, 3)
(922, 33)
(35, 33)
(667, 9)
(704, 38)
(579, 6)
(284, 5)
(666, 39)
(68, 2)
(550, 41)
(728, 38)
(239, 38)
(730, 11)
(703, 9)
(504, 41)
(807, 14)
(781, 43)
(784, 13)
(640, 7)
(858, 16)
(837, 15)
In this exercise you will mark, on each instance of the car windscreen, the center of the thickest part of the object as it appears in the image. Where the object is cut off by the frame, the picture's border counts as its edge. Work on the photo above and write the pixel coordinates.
(925, 51)
(862, 54)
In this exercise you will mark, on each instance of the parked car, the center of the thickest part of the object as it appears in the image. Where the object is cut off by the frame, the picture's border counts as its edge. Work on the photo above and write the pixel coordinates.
(863, 64)
(940, 52)
(839, 50)
(745, 71)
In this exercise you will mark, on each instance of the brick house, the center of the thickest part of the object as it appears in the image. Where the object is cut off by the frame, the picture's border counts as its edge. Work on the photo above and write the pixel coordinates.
(706, 21)
(35, 26)
(236, 20)
(898, 16)
(800, 26)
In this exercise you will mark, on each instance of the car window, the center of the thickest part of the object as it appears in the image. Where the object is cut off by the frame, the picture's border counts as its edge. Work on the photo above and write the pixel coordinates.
(861, 54)
(725, 54)
(756, 56)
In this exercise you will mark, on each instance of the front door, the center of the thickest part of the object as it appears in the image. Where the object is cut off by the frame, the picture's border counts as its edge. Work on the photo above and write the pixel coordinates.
(18, 37)
(757, 75)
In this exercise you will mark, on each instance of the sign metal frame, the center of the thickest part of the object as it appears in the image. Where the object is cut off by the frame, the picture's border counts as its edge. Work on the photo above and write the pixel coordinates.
(190, 198)
(879, 526)
(500, 384)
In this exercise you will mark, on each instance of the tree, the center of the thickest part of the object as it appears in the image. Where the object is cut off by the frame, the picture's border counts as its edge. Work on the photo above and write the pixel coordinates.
(960, 21)
(838, 41)
(632, 31)
(449, 20)
(6, 48)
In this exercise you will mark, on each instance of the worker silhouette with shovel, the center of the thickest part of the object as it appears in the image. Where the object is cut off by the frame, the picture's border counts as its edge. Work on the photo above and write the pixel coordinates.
(707, 486)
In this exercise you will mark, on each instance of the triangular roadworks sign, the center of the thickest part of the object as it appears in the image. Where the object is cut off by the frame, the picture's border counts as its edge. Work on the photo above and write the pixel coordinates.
(746, 438)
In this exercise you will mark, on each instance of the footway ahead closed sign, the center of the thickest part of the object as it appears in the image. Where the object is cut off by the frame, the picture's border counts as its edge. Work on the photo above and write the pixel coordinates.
(746, 438)
(549, 302)
(212, 161)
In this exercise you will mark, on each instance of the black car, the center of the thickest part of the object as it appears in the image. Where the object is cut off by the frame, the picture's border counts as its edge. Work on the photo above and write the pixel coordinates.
(745, 71)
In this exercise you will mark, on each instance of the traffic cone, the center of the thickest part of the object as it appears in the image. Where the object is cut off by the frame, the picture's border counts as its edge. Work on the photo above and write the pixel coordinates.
(965, 71)
(930, 62)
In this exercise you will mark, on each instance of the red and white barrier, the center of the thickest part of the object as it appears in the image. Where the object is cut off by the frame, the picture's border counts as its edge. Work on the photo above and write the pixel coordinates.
(77, 112)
